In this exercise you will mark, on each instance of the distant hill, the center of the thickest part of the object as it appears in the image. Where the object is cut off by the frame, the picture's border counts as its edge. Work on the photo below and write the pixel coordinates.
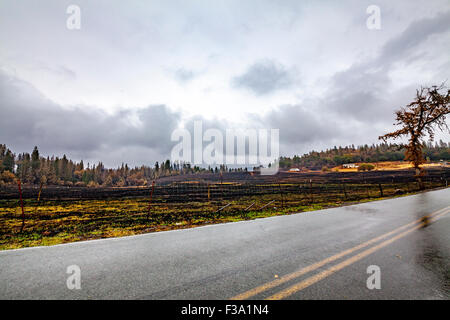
(351, 154)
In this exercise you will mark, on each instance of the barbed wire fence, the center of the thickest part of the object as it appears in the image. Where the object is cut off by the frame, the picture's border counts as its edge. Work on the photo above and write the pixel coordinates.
(191, 200)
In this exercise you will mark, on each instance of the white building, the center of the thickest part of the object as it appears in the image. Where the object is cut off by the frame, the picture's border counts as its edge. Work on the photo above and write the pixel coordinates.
(349, 165)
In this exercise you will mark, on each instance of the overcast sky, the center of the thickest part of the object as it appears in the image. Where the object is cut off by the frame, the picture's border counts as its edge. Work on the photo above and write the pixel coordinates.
(115, 89)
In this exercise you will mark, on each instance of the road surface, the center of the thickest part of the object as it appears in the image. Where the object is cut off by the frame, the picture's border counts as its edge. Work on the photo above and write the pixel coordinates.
(313, 255)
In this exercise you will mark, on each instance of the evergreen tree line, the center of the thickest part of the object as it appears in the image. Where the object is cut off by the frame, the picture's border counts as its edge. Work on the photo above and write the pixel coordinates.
(35, 169)
(374, 153)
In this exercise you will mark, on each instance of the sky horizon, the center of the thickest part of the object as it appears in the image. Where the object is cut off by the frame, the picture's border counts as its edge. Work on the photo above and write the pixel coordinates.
(116, 88)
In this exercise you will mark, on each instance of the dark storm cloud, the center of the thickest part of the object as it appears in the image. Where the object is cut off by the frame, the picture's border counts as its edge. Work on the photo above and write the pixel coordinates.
(28, 119)
(300, 124)
(359, 94)
(264, 77)
(156, 125)
(303, 129)
(416, 33)
(364, 91)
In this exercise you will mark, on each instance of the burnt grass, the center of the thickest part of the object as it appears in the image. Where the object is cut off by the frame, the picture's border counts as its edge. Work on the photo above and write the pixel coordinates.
(67, 214)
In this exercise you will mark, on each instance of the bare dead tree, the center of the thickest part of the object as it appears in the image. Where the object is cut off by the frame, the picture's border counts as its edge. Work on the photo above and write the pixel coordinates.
(420, 118)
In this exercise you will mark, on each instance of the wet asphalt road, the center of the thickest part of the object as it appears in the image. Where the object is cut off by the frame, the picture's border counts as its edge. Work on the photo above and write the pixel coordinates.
(222, 261)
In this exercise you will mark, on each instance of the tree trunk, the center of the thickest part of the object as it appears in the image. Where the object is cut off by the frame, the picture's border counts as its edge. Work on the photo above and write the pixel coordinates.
(419, 178)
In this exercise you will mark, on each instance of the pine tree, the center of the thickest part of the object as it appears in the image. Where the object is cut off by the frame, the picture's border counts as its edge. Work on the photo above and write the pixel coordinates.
(35, 165)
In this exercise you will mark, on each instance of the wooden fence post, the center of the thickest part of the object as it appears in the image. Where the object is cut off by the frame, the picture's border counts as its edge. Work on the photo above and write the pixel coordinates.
(345, 191)
(381, 190)
(282, 198)
(21, 205)
(209, 192)
(38, 198)
(150, 202)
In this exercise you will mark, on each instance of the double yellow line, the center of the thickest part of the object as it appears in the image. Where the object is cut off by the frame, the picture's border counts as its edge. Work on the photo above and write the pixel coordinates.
(410, 227)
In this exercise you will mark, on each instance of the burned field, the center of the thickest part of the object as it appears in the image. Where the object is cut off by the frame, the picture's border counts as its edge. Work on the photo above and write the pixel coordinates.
(67, 214)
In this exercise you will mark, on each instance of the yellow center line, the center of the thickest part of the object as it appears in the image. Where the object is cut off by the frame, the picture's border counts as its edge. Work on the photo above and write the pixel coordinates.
(320, 276)
(321, 263)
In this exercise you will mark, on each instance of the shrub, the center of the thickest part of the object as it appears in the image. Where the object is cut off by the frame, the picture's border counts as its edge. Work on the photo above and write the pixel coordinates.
(7, 177)
(366, 167)
(92, 184)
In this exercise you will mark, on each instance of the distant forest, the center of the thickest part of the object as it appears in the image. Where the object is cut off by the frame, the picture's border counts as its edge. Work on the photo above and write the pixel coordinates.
(374, 153)
(35, 169)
